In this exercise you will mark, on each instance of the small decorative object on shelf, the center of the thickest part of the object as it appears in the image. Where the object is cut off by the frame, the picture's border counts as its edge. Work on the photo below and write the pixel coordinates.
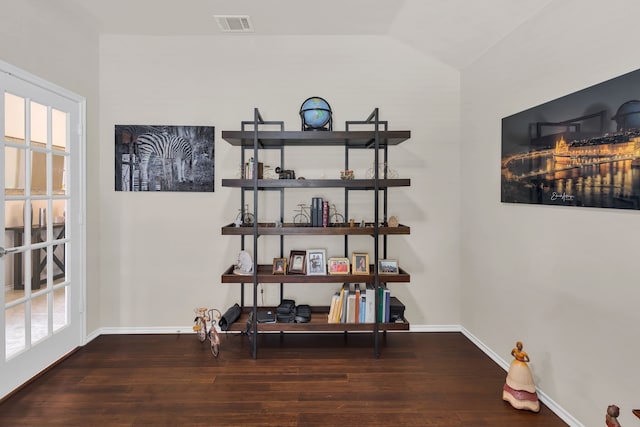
(316, 262)
(279, 266)
(519, 389)
(244, 217)
(338, 265)
(393, 221)
(360, 263)
(612, 416)
(297, 262)
(250, 169)
(285, 173)
(388, 266)
(346, 174)
(315, 114)
(269, 173)
(384, 172)
(244, 265)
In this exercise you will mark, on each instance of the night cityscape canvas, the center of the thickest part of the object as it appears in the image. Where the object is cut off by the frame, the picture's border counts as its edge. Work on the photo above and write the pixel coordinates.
(579, 150)
(164, 158)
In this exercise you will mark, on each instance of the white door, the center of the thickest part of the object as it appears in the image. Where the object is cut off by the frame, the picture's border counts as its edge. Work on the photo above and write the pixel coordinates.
(42, 265)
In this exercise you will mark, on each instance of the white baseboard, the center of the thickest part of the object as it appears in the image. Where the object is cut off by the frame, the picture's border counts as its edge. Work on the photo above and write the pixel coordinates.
(553, 406)
(435, 328)
(140, 331)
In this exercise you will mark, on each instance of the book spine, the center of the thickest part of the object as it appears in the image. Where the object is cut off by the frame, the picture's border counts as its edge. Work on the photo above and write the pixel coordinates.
(387, 305)
(380, 304)
(357, 304)
(325, 214)
(345, 300)
(370, 310)
(315, 205)
(319, 213)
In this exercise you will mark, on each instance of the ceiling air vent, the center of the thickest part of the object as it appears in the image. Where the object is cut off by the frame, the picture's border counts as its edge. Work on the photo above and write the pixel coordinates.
(234, 23)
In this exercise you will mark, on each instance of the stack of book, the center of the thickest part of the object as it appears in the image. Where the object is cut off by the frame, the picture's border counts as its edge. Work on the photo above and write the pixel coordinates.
(353, 304)
(319, 212)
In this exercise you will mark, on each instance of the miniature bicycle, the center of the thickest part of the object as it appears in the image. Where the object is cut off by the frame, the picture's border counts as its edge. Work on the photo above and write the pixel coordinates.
(244, 216)
(303, 217)
(204, 316)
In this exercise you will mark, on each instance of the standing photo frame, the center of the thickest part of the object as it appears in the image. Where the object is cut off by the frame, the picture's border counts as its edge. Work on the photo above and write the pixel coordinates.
(360, 263)
(297, 261)
(338, 266)
(279, 266)
(388, 266)
(316, 262)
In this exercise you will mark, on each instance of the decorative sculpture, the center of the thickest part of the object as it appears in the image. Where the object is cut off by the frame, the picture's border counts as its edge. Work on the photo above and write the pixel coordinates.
(244, 265)
(519, 389)
(612, 416)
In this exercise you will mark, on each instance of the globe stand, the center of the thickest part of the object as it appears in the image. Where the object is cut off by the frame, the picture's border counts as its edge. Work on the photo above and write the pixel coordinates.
(320, 129)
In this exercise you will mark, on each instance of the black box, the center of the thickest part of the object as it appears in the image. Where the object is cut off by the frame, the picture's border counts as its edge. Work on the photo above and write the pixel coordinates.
(266, 317)
(396, 310)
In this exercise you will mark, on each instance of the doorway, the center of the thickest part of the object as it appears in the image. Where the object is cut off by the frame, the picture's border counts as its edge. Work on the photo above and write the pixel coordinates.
(42, 259)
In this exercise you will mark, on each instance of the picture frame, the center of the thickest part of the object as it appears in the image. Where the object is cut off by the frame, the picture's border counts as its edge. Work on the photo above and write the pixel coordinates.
(360, 263)
(316, 262)
(337, 265)
(297, 262)
(388, 266)
(279, 266)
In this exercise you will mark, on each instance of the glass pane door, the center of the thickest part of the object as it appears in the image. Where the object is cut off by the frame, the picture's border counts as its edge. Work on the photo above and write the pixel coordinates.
(41, 306)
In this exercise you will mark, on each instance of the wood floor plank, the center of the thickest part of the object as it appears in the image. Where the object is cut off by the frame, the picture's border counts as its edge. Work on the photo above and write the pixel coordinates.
(421, 379)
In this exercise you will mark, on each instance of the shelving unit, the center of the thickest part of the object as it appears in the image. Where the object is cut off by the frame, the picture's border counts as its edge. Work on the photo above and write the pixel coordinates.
(255, 139)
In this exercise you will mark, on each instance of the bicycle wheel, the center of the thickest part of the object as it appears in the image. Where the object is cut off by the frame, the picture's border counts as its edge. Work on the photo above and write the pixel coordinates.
(337, 219)
(215, 341)
(301, 219)
(247, 218)
(200, 329)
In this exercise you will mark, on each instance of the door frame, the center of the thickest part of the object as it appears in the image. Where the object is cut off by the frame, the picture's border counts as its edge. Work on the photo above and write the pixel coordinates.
(79, 241)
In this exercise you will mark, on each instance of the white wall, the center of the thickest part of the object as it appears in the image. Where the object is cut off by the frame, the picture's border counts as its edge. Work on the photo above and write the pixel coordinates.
(562, 280)
(57, 44)
(163, 253)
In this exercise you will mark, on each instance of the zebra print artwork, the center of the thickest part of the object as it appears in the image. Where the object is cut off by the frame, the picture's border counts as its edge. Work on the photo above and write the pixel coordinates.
(164, 158)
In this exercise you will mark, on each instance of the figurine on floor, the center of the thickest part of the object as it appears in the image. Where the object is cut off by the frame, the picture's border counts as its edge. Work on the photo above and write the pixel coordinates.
(519, 389)
(612, 416)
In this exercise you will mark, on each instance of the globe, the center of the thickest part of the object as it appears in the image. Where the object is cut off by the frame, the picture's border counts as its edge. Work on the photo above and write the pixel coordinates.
(315, 113)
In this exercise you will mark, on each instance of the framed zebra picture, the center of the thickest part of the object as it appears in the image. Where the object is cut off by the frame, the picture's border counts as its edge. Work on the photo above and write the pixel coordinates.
(164, 158)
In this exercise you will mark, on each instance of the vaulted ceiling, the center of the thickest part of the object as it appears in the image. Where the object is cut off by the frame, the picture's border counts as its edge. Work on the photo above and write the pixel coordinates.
(455, 32)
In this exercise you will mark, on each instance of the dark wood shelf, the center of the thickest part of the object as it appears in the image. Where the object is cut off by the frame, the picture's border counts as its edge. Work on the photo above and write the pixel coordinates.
(318, 323)
(265, 275)
(636, 412)
(287, 229)
(353, 139)
(353, 184)
(372, 139)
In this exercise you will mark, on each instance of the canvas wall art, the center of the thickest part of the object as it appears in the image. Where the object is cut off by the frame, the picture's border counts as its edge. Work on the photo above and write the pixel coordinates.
(164, 158)
(579, 150)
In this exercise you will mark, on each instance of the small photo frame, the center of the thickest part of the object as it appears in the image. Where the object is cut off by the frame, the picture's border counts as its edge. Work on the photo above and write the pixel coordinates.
(338, 266)
(316, 262)
(297, 261)
(279, 266)
(360, 263)
(388, 266)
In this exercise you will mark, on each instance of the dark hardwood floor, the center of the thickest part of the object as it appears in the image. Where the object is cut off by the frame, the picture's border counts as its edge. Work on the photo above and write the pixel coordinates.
(421, 379)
